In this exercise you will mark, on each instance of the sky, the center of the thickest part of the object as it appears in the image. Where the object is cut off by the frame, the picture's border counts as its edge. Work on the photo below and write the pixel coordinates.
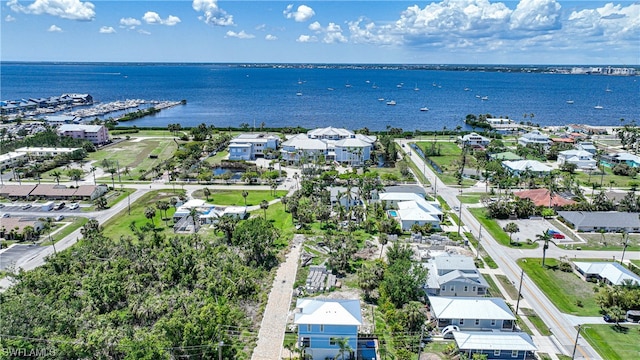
(562, 32)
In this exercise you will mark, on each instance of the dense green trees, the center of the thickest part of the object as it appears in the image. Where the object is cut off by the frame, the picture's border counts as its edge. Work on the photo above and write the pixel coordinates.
(152, 297)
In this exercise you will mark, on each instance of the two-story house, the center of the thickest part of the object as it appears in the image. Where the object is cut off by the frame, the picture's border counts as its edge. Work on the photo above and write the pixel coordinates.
(534, 138)
(454, 275)
(251, 146)
(472, 313)
(321, 322)
(582, 159)
(474, 140)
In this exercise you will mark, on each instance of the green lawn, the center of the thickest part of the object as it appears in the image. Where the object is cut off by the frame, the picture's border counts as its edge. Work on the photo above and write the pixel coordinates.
(118, 225)
(493, 288)
(135, 155)
(612, 342)
(564, 289)
(637, 262)
(75, 224)
(217, 158)
(508, 286)
(542, 328)
(234, 197)
(496, 231)
(618, 181)
(470, 198)
(611, 241)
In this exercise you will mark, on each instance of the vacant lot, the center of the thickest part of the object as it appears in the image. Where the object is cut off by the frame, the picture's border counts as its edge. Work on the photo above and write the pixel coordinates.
(564, 289)
(614, 342)
(135, 154)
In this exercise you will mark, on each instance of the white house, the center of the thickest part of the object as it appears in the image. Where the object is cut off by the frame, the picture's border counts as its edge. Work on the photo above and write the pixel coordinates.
(518, 167)
(533, 138)
(334, 144)
(587, 146)
(611, 273)
(495, 345)
(474, 139)
(582, 159)
(454, 275)
(411, 208)
(11, 159)
(251, 146)
(322, 321)
(472, 313)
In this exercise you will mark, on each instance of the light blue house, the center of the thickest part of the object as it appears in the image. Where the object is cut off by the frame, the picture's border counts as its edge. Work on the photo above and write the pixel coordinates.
(472, 313)
(322, 321)
(251, 146)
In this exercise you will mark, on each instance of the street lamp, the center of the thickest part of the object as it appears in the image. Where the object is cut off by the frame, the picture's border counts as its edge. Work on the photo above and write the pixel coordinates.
(575, 345)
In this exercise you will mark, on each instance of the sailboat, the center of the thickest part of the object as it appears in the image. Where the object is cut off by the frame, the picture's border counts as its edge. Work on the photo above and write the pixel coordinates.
(569, 101)
(598, 107)
(608, 89)
(424, 108)
(416, 88)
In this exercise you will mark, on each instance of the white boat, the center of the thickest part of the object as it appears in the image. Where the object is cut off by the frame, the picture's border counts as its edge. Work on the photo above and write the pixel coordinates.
(392, 102)
(607, 89)
(484, 98)
(374, 86)
(598, 107)
(569, 101)
(416, 88)
(299, 93)
(399, 85)
(424, 108)
(347, 85)
(380, 99)
(330, 89)
(467, 89)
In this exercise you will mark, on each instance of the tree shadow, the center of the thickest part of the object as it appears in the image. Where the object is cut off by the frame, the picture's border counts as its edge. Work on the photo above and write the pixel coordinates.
(620, 329)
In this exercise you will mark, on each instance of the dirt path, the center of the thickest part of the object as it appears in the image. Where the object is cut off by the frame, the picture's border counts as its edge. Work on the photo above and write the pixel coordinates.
(274, 321)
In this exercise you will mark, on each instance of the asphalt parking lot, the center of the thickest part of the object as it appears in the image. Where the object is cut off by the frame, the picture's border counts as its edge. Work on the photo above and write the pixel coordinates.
(17, 252)
(530, 228)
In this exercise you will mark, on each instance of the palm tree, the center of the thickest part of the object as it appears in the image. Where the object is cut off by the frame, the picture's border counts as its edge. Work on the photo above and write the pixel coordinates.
(163, 206)
(511, 228)
(227, 224)
(194, 214)
(343, 344)
(150, 213)
(245, 193)
(93, 171)
(264, 205)
(56, 175)
(546, 238)
(206, 193)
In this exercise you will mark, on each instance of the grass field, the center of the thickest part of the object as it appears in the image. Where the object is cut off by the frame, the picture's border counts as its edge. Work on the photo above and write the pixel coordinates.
(234, 197)
(508, 286)
(493, 288)
(470, 198)
(135, 155)
(75, 224)
(611, 241)
(614, 342)
(217, 158)
(537, 322)
(496, 231)
(563, 289)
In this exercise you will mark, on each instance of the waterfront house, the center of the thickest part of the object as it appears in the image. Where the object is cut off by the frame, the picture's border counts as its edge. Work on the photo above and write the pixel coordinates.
(534, 138)
(587, 146)
(518, 167)
(321, 322)
(454, 275)
(97, 134)
(582, 159)
(474, 140)
(614, 159)
(610, 273)
(251, 146)
(335, 144)
(472, 313)
(301, 147)
(609, 221)
(495, 345)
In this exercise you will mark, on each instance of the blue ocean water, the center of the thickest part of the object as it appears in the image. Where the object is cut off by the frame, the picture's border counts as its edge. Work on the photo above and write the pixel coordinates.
(229, 95)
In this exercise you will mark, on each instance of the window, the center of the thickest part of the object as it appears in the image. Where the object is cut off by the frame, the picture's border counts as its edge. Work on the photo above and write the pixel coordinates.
(322, 328)
(453, 288)
(332, 341)
(473, 289)
(466, 288)
(308, 327)
(444, 288)
(477, 322)
(514, 353)
(496, 352)
(493, 323)
(461, 322)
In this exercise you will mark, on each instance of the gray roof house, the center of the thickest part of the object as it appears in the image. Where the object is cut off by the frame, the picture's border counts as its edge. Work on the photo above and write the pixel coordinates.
(496, 345)
(472, 313)
(611, 273)
(454, 275)
(610, 221)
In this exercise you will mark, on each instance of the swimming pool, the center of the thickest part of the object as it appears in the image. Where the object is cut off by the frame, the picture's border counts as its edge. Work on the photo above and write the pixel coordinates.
(393, 213)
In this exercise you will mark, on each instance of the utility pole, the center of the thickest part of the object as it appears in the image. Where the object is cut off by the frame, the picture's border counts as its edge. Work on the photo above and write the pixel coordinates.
(575, 345)
(420, 342)
(220, 345)
(519, 291)
(624, 247)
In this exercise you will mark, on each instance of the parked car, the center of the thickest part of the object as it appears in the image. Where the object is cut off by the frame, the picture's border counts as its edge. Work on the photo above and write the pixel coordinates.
(59, 218)
(557, 236)
(59, 206)
(73, 206)
(26, 206)
(6, 215)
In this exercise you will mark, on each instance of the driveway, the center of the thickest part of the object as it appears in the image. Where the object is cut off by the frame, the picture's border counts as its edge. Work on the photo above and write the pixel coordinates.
(530, 228)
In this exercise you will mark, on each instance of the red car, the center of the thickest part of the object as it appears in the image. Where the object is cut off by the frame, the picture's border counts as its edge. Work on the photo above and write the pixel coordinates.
(558, 236)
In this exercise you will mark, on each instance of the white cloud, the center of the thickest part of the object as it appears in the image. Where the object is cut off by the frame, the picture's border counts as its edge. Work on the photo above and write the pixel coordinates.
(612, 22)
(240, 35)
(143, 32)
(330, 34)
(129, 22)
(212, 14)
(306, 39)
(54, 28)
(151, 17)
(536, 15)
(302, 14)
(270, 37)
(9, 18)
(66, 9)
(107, 30)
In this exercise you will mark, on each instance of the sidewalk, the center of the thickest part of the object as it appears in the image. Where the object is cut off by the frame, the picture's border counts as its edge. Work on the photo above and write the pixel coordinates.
(274, 320)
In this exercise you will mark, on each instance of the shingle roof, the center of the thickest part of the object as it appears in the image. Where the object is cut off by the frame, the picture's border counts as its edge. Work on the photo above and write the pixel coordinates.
(445, 307)
(540, 197)
(328, 312)
(483, 340)
(604, 219)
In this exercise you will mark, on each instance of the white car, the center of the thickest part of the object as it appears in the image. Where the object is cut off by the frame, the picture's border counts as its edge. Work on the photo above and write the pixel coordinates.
(26, 206)
(59, 218)
(73, 206)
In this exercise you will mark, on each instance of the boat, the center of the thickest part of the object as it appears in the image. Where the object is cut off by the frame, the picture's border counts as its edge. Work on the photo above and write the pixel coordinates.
(380, 99)
(399, 85)
(424, 108)
(569, 101)
(299, 93)
(598, 107)
(607, 89)
(484, 98)
(391, 102)
(347, 85)
(416, 88)
(299, 81)
(330, 89)
(467, 89)
(374, 86)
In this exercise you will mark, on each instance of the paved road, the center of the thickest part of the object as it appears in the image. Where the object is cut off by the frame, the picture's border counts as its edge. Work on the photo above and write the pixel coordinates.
(562, 328)
(274, 319)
